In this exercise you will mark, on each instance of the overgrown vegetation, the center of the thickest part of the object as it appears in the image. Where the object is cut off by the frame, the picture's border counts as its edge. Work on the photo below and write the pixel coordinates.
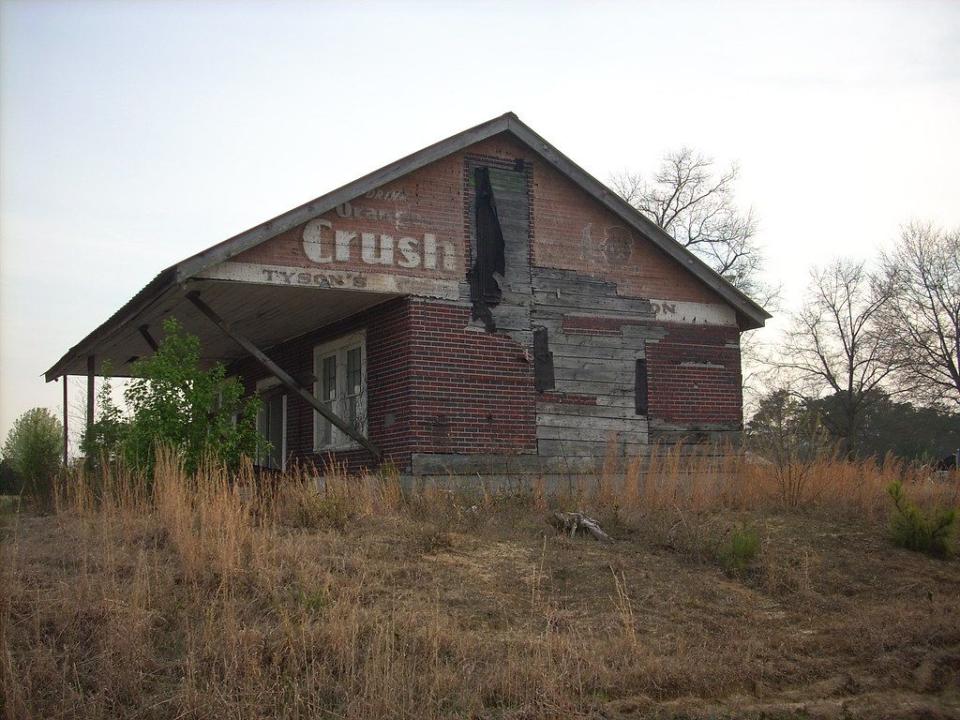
(203, 596)
(928, 532)
(173, 401)
(790, 435)
(33, 451)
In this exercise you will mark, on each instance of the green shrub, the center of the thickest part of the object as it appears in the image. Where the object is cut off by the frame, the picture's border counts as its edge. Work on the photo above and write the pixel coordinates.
(913, 529)
(739, 550)
(173, 401)
(33, 449)
(103, 439)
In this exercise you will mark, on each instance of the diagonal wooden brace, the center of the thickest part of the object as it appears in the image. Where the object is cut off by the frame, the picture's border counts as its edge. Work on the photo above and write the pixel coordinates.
(284, 377)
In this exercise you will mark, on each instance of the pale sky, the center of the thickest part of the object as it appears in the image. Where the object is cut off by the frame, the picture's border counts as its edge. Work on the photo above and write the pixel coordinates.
(134, 134)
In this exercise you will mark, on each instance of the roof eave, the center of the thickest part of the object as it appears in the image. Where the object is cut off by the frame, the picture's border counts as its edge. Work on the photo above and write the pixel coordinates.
(243, 241)
(145, 298)
(753, 316)
(744, 305)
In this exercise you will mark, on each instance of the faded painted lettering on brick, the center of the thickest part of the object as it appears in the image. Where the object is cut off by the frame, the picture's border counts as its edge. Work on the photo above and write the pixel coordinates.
(325, 242)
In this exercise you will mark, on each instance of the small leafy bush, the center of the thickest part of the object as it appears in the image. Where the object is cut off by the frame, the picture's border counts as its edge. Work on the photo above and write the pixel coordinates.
(913, 529)
(174, 401)
(739, 550)
(33, 449)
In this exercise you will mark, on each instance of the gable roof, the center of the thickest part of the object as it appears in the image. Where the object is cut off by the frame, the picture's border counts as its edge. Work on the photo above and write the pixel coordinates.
(750, 314)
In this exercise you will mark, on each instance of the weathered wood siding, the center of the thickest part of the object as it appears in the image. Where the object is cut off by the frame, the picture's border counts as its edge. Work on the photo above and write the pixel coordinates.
(605, 296)
(592, 403)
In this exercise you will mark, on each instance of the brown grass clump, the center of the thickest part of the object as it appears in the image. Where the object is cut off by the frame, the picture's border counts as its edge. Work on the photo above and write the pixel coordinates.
(211, 597)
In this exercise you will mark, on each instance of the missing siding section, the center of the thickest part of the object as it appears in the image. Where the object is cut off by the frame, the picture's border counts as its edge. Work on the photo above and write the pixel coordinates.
(543, 376)
(488, 264)
(641, 390)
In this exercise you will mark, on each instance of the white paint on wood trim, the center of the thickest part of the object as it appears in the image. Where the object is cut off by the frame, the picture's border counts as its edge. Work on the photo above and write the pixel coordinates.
(691, 313)
(674, 311)
(288, 276)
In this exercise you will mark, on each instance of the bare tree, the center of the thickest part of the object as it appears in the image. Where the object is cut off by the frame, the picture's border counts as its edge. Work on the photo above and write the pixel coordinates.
(835, 345)
(922, 320)
(696, 208)
(789, 435)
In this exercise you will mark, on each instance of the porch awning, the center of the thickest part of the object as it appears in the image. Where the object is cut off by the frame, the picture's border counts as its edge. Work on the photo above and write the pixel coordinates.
(265, 314)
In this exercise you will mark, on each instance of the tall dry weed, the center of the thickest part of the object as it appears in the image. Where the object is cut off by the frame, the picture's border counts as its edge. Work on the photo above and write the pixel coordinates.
(211, 595)
(697, 479)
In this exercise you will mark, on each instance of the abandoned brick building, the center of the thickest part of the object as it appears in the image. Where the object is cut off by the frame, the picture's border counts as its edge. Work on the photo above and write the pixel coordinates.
(483, 305)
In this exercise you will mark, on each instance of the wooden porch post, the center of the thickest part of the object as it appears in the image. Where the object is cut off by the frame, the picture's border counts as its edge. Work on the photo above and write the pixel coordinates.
(91, 369)
(66, 432)
(281, 374)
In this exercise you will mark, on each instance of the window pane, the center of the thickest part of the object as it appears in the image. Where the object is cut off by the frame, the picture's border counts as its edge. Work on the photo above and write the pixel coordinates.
(329, 374)
(274, 408)
(354, 372)
(354, 387)
(328, 395)
(326, 429)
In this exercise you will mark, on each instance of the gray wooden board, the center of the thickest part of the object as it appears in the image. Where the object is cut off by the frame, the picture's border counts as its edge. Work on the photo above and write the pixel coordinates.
(586, 387)
(585, 286)
(561, 340)
(623, 422)
(622, 401)
(617, 376)
(573, 411)
(564, 353)
(511, 317)
(584, 434)
(572, 362)
(630, 308)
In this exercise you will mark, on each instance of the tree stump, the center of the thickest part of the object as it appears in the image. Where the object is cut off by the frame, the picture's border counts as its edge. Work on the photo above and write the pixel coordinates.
(578, 522)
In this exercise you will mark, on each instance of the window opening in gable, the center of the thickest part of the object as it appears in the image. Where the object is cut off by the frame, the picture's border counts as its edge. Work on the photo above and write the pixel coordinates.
(488, 267)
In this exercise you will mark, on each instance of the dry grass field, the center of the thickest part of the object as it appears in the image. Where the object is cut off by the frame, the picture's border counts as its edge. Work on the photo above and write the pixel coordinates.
(201, 599)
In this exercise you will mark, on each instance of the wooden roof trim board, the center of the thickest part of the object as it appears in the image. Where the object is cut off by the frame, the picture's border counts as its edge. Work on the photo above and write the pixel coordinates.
(751, 313)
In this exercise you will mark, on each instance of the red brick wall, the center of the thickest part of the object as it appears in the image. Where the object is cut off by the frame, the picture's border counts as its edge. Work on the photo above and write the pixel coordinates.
(472, 391)
(572, 231)
(434, 386)
(432, 202)
(694, 376)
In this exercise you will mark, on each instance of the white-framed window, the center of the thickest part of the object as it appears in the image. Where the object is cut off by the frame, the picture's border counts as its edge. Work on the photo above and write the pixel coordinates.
(340, 369)
(272, 424)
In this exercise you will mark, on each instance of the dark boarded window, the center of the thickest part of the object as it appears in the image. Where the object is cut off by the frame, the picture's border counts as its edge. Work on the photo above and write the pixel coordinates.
(542, 360)
(488, 260)
(640, 388)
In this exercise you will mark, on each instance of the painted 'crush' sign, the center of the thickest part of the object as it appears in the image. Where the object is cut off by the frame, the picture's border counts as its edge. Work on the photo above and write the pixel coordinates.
(324, 244)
